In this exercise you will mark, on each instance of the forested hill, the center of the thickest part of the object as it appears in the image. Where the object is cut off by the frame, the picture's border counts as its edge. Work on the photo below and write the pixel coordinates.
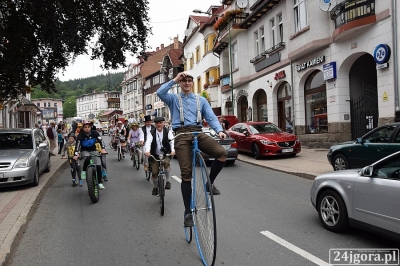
(78, 87)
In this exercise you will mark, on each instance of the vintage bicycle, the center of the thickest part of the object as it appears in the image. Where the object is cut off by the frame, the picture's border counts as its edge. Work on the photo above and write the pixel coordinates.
(161, 180)
(136, 154)
(202, 207)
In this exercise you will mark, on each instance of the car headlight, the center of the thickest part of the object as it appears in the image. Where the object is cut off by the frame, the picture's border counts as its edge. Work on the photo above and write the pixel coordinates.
(22, 163)
(266, 142)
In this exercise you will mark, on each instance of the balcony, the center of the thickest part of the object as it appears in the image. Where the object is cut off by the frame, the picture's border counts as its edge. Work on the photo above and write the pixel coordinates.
(274, 48)
(232, 26)
(351, 10)
(259, 8)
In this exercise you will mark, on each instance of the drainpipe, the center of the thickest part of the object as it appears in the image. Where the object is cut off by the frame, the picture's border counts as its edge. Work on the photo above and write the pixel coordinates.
(395, 58)
(291, 84)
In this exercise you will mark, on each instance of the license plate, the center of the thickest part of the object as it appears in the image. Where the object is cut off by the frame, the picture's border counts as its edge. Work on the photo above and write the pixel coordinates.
(226, 147)
(287, 150)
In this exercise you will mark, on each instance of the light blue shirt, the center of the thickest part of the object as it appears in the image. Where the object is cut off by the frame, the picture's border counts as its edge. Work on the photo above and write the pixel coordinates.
(189, 108)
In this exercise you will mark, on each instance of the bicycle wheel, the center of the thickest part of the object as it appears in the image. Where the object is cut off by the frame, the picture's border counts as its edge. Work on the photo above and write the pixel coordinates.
(133, 159)
(161, 192)
(136, 159)
(205, 229)
(92, 184)
(119, 153)
(148, 172)
(188, 232)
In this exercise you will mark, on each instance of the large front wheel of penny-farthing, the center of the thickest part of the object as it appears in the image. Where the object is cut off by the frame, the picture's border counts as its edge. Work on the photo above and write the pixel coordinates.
(161, 192)
(92, 184)
(205, 229)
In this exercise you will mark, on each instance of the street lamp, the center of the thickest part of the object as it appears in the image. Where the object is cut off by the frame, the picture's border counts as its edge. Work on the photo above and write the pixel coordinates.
(198, 11)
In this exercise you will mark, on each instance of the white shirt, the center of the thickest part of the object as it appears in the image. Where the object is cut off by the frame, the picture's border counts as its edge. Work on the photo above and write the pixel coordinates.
(131, 120)
(159, 136)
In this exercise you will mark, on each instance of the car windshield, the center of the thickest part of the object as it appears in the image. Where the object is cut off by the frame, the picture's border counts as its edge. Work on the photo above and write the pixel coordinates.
(15, 141)
(264, 128)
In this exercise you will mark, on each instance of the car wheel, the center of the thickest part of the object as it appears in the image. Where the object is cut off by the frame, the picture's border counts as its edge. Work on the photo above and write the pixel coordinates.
(340, 162)
(255, 151)
(332, 211)
(48, 166)
(35, 181)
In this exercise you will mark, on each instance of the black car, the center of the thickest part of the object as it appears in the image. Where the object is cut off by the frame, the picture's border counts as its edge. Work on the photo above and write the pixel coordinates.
(228, 143)
(373, 146)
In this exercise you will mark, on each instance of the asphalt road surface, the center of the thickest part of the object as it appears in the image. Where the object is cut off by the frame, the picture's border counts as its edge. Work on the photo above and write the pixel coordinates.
(263, 218)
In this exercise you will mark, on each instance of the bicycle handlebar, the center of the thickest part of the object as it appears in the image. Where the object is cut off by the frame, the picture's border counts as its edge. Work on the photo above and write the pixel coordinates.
(162, 158)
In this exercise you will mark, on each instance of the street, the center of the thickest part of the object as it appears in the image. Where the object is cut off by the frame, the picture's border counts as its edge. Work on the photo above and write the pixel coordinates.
(257, 209)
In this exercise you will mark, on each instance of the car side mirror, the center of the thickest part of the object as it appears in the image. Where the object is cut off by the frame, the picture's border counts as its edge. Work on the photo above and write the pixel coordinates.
(245, 132)
(367, 171)
(359, 140)
(43, 145)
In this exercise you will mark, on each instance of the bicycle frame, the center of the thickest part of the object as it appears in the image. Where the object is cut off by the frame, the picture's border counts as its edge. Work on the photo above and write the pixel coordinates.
(161, 179)
(92, 178)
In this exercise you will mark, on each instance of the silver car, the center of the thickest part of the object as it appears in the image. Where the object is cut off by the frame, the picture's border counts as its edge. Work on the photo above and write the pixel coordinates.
(367, 198)
(24, 155)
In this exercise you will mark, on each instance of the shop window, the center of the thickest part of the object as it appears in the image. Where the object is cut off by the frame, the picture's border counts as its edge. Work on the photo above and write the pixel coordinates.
(316, 104)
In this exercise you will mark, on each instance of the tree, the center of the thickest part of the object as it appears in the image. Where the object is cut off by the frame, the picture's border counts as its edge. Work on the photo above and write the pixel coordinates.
(69, 107)
(98, 116)
(39, 38)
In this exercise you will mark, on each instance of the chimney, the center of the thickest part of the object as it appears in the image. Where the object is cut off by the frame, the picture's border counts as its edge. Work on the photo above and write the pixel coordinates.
(157, 49)
(176, 43)
(162, 46)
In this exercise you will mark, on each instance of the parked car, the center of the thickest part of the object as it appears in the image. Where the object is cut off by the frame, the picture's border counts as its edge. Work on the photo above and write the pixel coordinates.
(374, 145)
(264, 139)
(24, 155)
(228, 143)
(367, 198)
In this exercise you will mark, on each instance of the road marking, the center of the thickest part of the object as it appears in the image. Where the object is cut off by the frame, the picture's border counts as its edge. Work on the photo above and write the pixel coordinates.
(177, 178)
(293, 248)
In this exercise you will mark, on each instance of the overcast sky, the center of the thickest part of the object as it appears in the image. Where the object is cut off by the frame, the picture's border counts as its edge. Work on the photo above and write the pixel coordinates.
(168, 19)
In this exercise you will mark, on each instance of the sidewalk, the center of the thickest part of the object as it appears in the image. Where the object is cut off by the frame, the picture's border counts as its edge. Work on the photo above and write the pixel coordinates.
(17, 205)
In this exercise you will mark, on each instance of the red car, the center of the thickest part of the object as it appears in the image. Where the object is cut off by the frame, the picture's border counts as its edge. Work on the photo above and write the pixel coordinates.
(264, 139)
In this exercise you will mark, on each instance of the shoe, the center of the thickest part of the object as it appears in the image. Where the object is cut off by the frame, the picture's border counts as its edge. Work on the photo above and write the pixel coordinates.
(80, 183)
(74, 184)
(215, 191)
(145, 168)
(83, 175)
(168, 185)
(52, 154)
(123, 156)
(188, 220)
(105, 178)
(101, 186)
(155, 191)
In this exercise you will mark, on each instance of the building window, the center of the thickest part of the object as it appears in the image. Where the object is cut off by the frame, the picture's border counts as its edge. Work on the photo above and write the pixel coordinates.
(162, 78)
(198, 84)
(206, 47)
(280, 28)
(262, 40)
(38, 104)
(257, 48)
(48, 104)
(55, 104)
(300, 14)
(197, 54)
(235, 56)
(316, 104)
(272, 23)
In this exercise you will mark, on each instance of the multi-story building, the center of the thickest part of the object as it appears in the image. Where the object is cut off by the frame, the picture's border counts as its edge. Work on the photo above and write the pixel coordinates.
(323, 71)
(51, 109)
(132, 91)
(92, 105)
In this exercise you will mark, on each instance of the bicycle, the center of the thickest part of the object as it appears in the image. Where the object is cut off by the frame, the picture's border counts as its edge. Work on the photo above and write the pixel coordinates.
(202, 207)
(91, 177)
(119, 147)
(136, 155)
(148, 172)
(161, 180)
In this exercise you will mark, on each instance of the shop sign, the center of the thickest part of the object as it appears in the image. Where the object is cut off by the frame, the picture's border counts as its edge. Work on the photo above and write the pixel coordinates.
(280, 75)
(329, 70)
(312, 62)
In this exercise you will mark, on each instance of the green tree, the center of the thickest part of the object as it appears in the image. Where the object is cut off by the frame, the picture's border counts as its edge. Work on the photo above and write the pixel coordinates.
(39, 38)
(99, 114)
(69, 107)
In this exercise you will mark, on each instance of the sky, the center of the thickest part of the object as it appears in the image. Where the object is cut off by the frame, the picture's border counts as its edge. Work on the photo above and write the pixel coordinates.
(168, 19)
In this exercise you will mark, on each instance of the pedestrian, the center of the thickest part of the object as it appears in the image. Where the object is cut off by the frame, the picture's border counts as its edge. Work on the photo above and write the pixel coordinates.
(187, 110)
(51, 135)
(69, 147)
(60, 139)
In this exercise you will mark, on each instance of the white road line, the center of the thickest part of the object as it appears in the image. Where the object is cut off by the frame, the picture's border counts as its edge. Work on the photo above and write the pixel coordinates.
(177, 178)
(293, 248)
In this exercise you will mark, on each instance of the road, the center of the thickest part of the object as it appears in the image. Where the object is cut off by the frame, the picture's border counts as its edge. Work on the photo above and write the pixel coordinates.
(258, 208)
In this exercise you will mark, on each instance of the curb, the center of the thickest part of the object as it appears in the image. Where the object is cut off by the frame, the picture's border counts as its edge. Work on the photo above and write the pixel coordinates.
(30, 210)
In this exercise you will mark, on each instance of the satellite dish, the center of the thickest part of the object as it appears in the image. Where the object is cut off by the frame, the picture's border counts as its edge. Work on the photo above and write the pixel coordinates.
(187, 32)
(242, 3)
(326, 5)
(211, 79)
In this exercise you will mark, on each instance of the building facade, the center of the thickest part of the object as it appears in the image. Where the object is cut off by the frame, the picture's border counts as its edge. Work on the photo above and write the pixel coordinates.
(51, 109)
(93, 105)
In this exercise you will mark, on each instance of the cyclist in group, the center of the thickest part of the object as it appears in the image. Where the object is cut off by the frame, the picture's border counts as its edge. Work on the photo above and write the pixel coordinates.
(78, 129)
(126, 126)
(146, 130)
(135, 136)
(69, 147)
(187, 111)
(120, 132)
(159, 141)
(86, 144)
